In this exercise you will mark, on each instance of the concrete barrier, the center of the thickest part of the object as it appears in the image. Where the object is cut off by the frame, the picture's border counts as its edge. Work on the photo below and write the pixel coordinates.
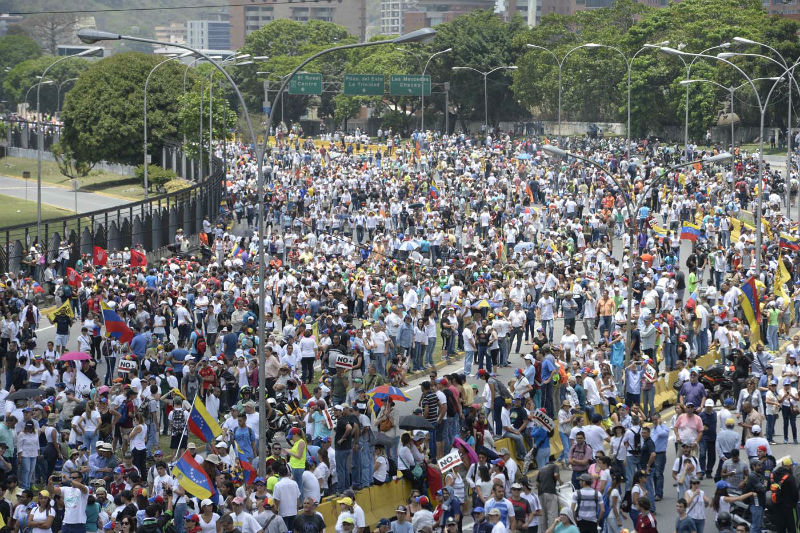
(378, 502)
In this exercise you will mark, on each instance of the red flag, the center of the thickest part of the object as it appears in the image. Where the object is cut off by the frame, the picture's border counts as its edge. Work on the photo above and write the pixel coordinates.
(99, 256)
(138, 259)
(73, 278)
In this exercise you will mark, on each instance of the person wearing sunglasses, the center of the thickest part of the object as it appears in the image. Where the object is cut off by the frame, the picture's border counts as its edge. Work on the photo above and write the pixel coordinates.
(76, 497)
(128, 525)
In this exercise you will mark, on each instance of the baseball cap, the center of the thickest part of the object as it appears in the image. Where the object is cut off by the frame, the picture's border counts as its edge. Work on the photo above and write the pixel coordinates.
(756, 429)
(476, 510)
(494, 511)
(348, 520)
(192, 516)
(238, 500)
(401, 509)
(346, 501)
(709, 403)
(383, 522)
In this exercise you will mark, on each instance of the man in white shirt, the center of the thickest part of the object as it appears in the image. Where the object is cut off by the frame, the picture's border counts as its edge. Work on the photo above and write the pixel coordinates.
(470, 347)
(517, 319)
(286, 495)
(75, 497)
(244, 520)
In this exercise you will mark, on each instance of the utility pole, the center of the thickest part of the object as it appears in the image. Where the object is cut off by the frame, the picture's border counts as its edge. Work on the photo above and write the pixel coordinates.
(447, 108)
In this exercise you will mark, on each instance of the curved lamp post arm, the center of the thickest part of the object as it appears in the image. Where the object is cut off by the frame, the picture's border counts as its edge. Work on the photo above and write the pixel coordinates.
(422, 92)
(785, 68)
(742, 40)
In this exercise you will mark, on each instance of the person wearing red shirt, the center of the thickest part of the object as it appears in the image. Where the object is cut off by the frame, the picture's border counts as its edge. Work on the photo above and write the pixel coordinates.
(207, 375)
(646, 521)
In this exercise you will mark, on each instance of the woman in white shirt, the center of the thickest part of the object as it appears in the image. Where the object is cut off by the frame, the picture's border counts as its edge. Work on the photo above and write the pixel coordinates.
(90, 421)
(40, 518)
(323, 473)
(381, 466)
(138, 438)
(208, 518)
(49, 375)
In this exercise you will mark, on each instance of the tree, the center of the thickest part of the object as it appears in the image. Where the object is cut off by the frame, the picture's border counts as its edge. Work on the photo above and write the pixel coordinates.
(25, 75)
(15, 49)
(68, 164)
(594, 81)
(479, 39)
(189, 115)
(103, 114)
(52, 29)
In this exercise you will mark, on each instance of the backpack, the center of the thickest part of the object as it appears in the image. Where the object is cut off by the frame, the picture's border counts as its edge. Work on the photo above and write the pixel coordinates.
(200, 344)
(637, 443)
(774, 496)
(451, 403)
(501, 389)
(596, 504)
(123, 415)
(178, 421)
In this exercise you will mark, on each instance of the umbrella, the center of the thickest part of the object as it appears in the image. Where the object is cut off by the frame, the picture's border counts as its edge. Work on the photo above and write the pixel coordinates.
(523, 247)
(25, 394)
(408, 246)
(75, 356)
(386, 391)
(411, 422)
(524, 155)
(482, 304)
(473, 457)
(417, 205)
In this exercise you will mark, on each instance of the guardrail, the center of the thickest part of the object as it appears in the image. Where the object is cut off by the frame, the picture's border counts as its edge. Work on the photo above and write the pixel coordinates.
(152, 223)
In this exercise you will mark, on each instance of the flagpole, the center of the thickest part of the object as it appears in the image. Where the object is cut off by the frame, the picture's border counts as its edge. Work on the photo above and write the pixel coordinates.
(185, 427)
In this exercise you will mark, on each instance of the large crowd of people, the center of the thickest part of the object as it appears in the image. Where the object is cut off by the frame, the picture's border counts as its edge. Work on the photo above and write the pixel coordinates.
(383, 260)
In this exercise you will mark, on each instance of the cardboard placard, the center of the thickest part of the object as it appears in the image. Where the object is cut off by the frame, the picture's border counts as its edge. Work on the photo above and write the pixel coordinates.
(543, 420)
(449, 461)
(126, 365)
(330, 418)
(650, 373)
(344, 361)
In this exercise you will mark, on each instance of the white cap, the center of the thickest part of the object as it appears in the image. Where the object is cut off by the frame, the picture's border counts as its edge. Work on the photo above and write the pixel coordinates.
(709, 403)
(756, 429)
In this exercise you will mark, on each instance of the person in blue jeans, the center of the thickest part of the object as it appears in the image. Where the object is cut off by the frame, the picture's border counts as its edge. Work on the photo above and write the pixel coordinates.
(345, 433)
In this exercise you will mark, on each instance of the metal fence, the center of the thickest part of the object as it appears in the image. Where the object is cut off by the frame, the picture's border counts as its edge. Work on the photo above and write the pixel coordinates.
(152, 222)
(23, 135)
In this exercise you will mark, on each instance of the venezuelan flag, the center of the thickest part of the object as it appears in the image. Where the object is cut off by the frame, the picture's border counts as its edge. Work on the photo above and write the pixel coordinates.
(202, 424)
(115, 326)
(690, 232)
(789, 242)
(750, 307)
(192, 477)
(247, 466)
(434, 191)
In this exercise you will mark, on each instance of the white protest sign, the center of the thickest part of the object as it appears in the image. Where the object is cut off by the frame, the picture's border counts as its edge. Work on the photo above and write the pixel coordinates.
(650, 372)
(330, 418)
(449, 461)
(126, 365)
(344, 361)
(543, 420)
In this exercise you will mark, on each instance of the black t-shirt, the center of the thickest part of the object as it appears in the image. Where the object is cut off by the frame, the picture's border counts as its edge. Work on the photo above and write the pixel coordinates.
(304, 523)
(756, 483)
(546, 479)
(518, 416)
(11, 360)
(341, 428)
(62, 325)
(648, 447)
(483, 337)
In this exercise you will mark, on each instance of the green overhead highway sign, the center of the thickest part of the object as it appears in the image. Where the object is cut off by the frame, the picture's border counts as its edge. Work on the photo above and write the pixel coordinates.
(364, 84)
(409, 85)
(306, 83)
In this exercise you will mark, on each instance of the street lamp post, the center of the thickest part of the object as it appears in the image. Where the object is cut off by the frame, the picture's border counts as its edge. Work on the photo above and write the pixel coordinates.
(144, 136)
(785, 64)
(731, 90)
(58, 100)
(485, 89)
(422, 91)
(560, 63)
(40, 147)
(632, 209)
(32, 87)
(688, 67)
(762, 106)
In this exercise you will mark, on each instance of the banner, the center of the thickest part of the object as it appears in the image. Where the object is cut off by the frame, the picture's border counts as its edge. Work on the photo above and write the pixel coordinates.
(650, 372)
(449, 461)
(82, 383)
(543, 420)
